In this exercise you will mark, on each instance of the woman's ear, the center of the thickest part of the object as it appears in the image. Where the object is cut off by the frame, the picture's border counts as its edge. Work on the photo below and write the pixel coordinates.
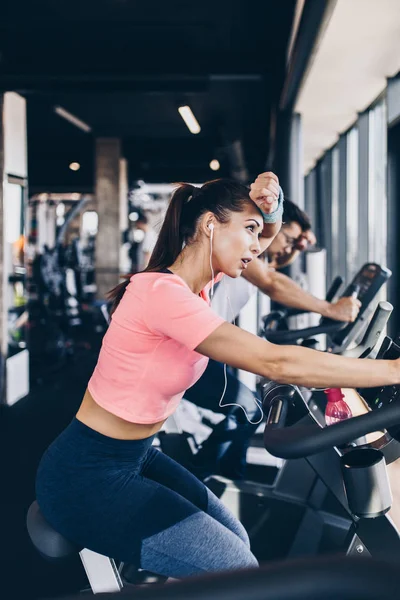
(208, 224)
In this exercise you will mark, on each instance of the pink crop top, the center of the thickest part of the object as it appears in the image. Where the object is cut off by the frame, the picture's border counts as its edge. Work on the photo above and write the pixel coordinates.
(147, 359)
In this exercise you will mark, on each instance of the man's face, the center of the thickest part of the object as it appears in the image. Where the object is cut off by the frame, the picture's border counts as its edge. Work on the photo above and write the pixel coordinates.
(285, 241)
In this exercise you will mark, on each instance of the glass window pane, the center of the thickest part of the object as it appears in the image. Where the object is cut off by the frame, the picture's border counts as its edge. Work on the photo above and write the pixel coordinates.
(342, 218)
(310, 199)
(363, 220)
(335, 212)
(325, 203)
(353, 262)
(377, 201)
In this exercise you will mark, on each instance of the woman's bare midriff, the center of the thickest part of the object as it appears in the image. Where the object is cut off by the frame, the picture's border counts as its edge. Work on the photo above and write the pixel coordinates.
(99, 419)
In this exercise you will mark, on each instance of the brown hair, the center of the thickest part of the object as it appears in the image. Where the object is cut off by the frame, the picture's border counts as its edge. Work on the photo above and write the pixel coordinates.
(293, 214)
(188, 203)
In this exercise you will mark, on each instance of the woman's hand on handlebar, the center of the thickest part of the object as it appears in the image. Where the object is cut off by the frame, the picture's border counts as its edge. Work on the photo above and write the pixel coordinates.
(345, 309)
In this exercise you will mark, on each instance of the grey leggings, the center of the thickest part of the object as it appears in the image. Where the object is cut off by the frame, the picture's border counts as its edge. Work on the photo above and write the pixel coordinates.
(127, 500)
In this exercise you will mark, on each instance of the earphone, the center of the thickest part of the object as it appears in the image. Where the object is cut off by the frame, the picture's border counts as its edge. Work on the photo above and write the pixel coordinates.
(211, 228)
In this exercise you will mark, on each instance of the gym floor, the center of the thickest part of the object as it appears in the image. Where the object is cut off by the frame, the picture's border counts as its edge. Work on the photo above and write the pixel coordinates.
(26, 429)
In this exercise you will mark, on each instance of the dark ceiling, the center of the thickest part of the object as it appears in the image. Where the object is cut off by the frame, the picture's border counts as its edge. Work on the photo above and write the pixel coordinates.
(124, 67)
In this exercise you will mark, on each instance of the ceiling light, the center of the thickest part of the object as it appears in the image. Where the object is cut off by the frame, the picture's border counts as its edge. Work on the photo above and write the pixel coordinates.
(74, 166)
(214, 165)
(189, 119)
(72, 119)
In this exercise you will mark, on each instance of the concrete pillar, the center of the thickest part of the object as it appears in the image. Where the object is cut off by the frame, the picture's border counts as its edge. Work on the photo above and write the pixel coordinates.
(124, 260)
(281, 165)
(296, 161)
(123, 195)
(288, 156)
(288, 167)
(107, 191)
(14, 356)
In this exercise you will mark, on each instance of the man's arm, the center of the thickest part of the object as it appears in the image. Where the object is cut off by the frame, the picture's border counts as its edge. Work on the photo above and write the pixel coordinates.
(284, 290)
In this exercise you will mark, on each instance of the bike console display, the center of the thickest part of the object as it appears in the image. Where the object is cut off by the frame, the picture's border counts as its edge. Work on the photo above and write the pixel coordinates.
(368, 282)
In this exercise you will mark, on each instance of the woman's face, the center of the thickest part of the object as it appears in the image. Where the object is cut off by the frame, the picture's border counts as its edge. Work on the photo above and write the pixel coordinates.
(236, 243)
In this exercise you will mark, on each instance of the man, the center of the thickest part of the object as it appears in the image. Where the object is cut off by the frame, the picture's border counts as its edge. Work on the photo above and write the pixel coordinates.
(294, 237)
(224, 452)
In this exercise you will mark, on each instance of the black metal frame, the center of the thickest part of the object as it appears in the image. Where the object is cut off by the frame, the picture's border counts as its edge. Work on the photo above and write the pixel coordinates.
(393, 242)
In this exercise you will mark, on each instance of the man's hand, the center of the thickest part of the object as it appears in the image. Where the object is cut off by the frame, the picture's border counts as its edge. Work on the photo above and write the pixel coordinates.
(345, 309)
(265, 192)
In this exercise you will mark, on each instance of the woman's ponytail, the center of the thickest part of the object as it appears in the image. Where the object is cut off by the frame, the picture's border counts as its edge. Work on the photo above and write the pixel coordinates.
(172, 235)
(169, 243)
(115, 295)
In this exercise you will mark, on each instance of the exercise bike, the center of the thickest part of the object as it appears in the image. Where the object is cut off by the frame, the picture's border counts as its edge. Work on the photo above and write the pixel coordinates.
(318, 514)
(185, 431)
(365, 285)
(308, 495)
(331, 579)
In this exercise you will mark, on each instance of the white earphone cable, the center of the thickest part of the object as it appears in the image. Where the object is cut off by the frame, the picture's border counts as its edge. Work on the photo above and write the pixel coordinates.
(257, 402)
(211, 227)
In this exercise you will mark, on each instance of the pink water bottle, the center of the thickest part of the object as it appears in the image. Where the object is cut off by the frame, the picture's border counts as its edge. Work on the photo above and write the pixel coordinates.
(337, 408)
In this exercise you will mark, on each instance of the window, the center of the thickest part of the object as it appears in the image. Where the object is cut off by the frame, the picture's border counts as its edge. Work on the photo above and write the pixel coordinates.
(377, 201)
(325, 207)
(335, 213)
(352, 251)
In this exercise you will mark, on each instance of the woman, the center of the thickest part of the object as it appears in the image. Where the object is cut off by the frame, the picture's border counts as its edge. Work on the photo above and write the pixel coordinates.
(101, 483)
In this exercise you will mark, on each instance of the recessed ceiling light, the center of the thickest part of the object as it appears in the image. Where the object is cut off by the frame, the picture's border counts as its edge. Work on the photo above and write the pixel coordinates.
(74, 166)
(214, 165)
